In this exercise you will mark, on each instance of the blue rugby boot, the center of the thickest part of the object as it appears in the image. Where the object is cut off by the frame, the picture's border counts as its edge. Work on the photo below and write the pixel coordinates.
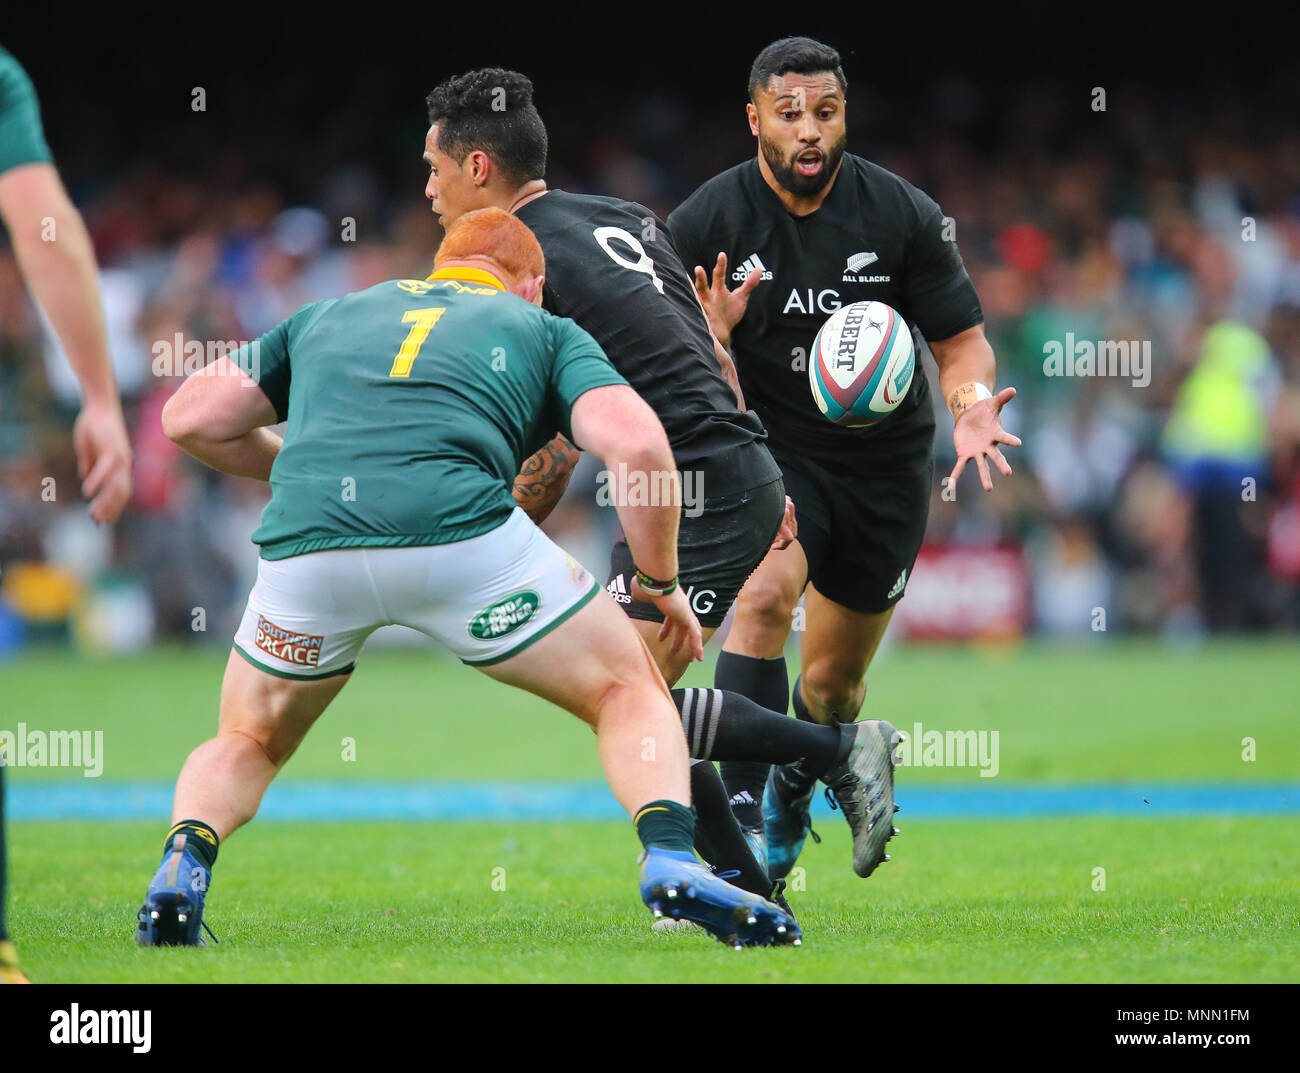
(173, 905)
(676, 885)
(787, 824)
(756, 839)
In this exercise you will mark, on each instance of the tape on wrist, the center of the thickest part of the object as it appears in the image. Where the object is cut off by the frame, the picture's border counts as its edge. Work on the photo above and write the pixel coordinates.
(963, 393)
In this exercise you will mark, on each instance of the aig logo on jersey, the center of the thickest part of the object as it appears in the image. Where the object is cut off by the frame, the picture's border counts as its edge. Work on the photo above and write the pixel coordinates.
(808, 301)
(752, 262)
(856, 264)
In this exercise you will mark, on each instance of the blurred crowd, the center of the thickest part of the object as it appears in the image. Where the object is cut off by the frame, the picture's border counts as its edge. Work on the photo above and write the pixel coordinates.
(1169, 500)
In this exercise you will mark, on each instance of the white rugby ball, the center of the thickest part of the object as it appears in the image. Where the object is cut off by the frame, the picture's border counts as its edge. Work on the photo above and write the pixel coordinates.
(862, 364)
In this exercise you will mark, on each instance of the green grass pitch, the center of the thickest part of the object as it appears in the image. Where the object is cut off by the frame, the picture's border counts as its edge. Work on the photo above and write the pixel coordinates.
(1186, 899)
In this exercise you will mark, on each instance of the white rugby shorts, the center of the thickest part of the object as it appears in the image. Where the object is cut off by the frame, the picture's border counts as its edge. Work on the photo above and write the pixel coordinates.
(486, 598)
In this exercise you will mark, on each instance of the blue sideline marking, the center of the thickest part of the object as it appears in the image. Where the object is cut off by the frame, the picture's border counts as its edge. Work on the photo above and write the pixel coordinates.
(87, 799)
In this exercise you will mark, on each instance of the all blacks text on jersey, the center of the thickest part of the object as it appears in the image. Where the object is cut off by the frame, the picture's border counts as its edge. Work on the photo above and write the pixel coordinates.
(856, 263)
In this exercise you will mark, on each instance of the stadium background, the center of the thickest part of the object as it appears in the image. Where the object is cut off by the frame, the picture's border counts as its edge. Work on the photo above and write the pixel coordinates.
(1125, 223)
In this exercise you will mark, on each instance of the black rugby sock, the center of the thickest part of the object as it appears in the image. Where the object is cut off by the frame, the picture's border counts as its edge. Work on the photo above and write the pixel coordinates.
(717, 836)
(796, 780)
(764, 681)
(726, 726)
(767, 683)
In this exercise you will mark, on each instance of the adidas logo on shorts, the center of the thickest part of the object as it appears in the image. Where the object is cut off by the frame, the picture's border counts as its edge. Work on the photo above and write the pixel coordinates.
(899, 585)
(617, 588)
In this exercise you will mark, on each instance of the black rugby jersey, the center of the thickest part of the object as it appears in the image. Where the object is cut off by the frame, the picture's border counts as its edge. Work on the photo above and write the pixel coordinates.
(875, 237)
(611, 267)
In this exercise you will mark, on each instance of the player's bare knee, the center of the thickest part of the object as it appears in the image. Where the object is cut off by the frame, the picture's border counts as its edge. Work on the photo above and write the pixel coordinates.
(276, 752)
(616, 698)
(636, 685)
(673, 667)
(267, 734)
(767, 604)
(829, 691)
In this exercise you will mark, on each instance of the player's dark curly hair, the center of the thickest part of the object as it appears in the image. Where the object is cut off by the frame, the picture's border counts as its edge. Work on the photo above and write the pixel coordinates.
(491, 110)
(797, 55)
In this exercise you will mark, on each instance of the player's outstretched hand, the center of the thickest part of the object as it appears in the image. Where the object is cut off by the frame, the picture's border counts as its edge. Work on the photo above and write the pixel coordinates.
(103, 459)
(680, 623)
(724, 307)
(789, 528)
(976, 435)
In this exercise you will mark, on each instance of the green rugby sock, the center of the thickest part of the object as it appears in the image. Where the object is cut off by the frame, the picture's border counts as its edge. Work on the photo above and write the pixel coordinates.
(200, 839)
(666, 825)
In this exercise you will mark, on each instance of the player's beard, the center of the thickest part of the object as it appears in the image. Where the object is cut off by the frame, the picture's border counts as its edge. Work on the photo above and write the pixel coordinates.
(783, 169)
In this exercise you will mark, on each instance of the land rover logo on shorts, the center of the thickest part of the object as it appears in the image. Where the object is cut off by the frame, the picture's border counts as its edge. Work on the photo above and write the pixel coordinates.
(504, 616)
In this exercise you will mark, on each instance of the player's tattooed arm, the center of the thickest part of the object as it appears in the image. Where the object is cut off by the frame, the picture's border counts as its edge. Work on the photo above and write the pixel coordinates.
(544, 478)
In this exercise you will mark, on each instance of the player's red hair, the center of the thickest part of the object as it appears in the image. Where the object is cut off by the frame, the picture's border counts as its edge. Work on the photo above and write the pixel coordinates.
(495, 236)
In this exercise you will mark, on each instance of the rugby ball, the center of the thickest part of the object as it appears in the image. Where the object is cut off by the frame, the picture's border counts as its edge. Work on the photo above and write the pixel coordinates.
(862, 364)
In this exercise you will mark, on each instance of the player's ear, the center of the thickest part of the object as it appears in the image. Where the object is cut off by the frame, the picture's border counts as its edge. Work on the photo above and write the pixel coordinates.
(529, 288)
(752, 112)
(480, 168)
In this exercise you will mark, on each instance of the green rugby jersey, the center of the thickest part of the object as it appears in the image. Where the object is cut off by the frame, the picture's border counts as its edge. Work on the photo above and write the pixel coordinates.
(410, 408)
(21, 138)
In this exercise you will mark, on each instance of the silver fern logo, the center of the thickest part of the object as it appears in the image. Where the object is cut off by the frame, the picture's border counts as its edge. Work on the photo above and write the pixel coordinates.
(854, 265)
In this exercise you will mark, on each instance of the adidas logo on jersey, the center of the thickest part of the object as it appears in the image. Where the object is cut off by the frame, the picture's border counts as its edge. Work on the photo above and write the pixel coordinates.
(617, 588)
(899, 585)
(752, 262)
(856, 263)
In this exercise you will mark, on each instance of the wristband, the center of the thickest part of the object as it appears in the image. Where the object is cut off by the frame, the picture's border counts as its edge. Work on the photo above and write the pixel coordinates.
(653, 587)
